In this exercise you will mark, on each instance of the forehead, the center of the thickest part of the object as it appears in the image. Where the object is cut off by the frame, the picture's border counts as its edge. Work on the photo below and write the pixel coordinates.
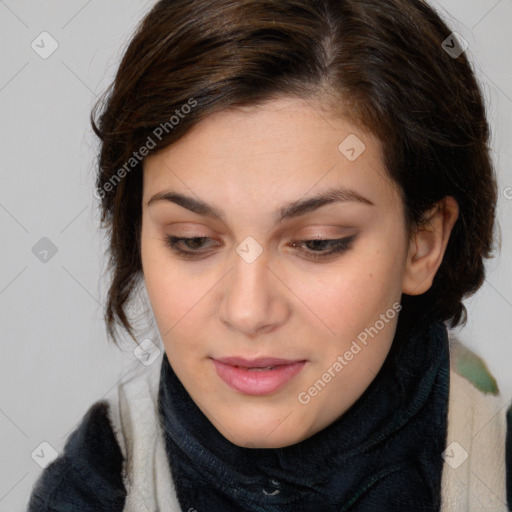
(294, 146)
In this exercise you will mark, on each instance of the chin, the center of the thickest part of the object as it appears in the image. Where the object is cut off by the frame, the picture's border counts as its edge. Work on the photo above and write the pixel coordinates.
(247, 438)
(262, 442)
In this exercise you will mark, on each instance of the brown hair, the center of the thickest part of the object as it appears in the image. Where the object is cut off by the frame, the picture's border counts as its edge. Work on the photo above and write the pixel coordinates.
(382, 60)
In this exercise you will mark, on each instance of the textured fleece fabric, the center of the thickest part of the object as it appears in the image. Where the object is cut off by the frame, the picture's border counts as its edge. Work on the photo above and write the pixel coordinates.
(87, 476)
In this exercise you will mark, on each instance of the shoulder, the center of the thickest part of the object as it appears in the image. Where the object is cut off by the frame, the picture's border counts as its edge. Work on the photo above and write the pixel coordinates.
(477, 456)
(87, 475)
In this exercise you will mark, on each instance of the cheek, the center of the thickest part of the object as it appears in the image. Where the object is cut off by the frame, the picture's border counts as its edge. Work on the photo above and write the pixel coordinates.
(175, 303)
(350, 295)
(178, 297)
(167, 289)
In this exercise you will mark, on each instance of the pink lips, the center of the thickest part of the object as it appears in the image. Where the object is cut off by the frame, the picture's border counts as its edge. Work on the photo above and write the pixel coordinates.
(244, 376)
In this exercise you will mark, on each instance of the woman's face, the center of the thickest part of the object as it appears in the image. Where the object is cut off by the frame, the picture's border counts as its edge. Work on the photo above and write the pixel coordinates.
(303, 291)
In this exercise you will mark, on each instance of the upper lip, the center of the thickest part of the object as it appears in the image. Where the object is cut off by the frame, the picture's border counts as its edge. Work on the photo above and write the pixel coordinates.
(260, 362)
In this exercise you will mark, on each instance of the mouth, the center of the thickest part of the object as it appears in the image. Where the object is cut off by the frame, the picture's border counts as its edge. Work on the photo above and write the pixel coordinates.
(262, 376)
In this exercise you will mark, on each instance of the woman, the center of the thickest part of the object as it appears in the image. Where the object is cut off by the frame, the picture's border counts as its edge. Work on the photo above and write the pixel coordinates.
(305, 192)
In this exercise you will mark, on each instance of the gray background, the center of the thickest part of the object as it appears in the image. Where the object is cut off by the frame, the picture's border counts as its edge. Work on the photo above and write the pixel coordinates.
(55, 359)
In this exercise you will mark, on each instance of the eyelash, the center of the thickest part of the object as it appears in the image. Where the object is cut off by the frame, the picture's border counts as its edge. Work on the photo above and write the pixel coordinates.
(340, 245)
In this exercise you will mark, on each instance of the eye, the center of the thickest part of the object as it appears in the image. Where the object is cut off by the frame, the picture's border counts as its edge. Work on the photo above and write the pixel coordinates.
(315, 247)
(193, 243)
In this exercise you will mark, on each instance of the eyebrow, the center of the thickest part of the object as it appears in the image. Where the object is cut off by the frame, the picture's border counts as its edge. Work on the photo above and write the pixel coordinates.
(293, 209)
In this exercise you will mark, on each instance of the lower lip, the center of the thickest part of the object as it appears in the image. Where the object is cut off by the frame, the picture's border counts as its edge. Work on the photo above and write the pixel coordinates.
(257, 382)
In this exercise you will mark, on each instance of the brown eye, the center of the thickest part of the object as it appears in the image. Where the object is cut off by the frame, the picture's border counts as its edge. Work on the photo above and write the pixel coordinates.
(192, 244)
(316, 246)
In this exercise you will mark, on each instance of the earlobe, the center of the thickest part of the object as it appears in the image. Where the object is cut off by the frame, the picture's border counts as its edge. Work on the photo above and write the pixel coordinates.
(428, 245)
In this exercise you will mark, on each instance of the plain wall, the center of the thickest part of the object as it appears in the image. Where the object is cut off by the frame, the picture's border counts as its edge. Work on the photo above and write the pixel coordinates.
(55, 358)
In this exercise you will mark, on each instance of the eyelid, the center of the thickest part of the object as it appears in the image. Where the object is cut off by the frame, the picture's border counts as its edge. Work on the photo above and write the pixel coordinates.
(339, 247)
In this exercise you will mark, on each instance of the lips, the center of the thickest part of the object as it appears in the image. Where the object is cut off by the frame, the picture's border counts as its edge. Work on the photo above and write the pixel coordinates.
(262, 376)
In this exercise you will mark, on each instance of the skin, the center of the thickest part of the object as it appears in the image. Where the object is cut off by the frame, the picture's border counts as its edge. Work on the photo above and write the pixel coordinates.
(249, 163)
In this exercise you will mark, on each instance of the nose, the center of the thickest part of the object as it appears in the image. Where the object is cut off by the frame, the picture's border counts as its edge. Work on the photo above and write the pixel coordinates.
(254, 300)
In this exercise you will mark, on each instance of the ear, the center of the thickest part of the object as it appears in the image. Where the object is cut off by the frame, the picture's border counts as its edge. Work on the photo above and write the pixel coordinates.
(427, 247)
